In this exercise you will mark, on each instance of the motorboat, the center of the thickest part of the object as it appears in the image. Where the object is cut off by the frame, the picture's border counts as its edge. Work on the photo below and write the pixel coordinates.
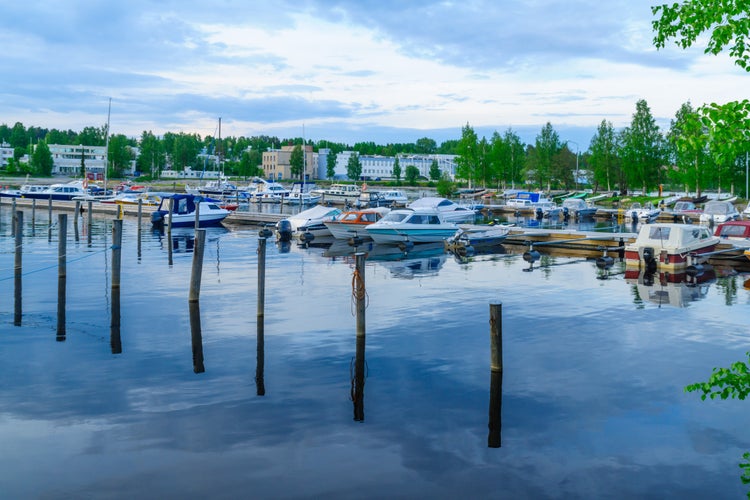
(394, 197)
(669, 246)
(271, 192)
(642, 212)
(526, 200)
(414, 225)
(301, 194)
(310, 221)
(23, 190)
(577, 208)
(449, 211)
(133, 198)
(183, 211)
(736, 232)
(717, 211)
(66, 191)
(342, 194)
(352, 223)
(478, 239)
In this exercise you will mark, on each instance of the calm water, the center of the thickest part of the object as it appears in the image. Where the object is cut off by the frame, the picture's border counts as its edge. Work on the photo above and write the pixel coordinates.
(592, 392)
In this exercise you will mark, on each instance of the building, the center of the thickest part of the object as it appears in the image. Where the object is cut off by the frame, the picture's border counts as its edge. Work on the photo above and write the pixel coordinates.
(6, 153)
(381, 167)
(276, 163)
(66, 159)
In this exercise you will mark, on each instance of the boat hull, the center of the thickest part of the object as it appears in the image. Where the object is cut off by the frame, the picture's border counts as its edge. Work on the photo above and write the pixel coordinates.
(385, 235)
(675, 258)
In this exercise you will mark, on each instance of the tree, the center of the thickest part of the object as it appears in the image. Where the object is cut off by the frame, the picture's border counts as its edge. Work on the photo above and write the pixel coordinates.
(330, 164)
(435, 173)
(411, 175)
(41, 160)
(689, 140)
(354, 167)
(729, 137)
(425, 146)
(396, 172)
(92, 136)
(468, 154)
(641, 148)
(119, 156)
(726, 21)
(296, 162)
(18, 137)
(445, 186)
(603, 159)
(152, 158)
(546, 146)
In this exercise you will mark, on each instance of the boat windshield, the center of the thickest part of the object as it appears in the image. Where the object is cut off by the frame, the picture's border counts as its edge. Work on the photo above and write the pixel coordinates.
(659, 233)
(717, 208)
(395, 216)
(732, 231)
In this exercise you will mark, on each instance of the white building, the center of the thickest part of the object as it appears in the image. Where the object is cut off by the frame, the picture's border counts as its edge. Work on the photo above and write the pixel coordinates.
(6, 153)
(66, 159)
(381, 167)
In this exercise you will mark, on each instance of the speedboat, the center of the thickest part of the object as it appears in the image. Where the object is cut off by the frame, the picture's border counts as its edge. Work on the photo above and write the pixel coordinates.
(183, 211)
(311, 220)
(478, 239)
(669, 246)
(736, 232)
(414, 225)
(394, 197)
(66, 191)
(353, 223)
(448, 210)
(577, 208)
(645, 213)
(719, 211)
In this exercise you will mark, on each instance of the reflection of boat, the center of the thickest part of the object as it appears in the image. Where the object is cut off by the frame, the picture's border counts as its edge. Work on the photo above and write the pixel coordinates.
(353, 222)
(183, 238)
(719, 211)
(419, 259)
(674, 289)
(411, 225)
(416, 265)
(449, 210)
(183, 212)
(669, 245)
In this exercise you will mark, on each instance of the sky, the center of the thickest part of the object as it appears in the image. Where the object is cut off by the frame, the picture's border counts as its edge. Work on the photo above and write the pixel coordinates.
(386, 71)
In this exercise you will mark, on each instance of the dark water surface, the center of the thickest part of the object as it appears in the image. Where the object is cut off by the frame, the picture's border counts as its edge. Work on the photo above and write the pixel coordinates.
(592, 391)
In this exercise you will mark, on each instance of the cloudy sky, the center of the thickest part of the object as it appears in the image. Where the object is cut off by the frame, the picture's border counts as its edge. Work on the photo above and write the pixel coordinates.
(347, 71)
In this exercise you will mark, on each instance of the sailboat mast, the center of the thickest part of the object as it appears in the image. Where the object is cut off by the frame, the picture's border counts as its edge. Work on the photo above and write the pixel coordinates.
(218, 151)
(106, 146)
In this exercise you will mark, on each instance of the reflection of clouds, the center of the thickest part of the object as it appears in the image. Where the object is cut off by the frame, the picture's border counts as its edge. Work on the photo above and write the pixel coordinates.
(592, 399)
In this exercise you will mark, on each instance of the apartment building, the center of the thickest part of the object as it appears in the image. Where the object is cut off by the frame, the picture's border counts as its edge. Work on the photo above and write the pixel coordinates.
(276, 163)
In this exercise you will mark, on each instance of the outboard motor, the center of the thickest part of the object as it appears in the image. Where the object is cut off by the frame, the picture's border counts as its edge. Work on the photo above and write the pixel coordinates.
(284, 230)
(649, 258)
(539, 214)
(157, 218)
(566, 213)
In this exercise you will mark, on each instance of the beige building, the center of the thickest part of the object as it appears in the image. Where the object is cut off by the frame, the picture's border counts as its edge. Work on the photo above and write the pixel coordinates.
(276, 163)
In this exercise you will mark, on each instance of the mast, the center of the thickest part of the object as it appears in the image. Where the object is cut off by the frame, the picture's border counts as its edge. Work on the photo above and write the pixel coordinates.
(106, 147)
(218, 153)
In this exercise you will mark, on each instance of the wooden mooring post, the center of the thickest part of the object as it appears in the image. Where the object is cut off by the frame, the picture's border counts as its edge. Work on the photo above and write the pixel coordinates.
(169, 231)
(76, 214)
(62, 223)
(496, 376)
(196, 337)
(262, 238)
(90, 221)
(260, 384)
(49, 217)
(360, 293)
(116, 253)
(197, 270)
(18, 268)
(140, 215)
(13, 222)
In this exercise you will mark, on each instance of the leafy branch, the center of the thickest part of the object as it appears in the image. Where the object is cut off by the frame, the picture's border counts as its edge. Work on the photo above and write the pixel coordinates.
(724, 383)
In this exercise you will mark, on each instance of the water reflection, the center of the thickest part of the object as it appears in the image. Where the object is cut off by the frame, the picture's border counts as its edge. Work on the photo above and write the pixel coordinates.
(196, 337)
(358, 380)
(403, 261)
(674, 289)
(260, 359)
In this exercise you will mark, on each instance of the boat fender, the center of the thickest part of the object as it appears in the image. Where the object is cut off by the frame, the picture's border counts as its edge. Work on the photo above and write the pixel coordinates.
(265, 233)
(531, 256)
(306, 237)
(605, 262)
(355, 241)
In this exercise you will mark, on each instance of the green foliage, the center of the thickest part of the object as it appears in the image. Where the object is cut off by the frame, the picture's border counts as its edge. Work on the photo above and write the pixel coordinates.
(330, 165)
(396, 172)
(445, 187)
(688, 138)
(354, 167)
(724, 383)
(119, 156)
(411, 175)
(41, 160)
(468, 154)
(434, 171)
(603, 159)
(726, 21)
(641, 149)
(296, 161)
(745, 466)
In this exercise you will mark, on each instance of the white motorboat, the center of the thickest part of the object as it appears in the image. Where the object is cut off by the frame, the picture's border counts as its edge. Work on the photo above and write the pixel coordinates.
(271, 192)
(66, 191)
(718, 212)
(183, 211)
(393, 197)
(310, 221)
(415, 225)
(669, 246)
(342, 194)
(577, 208)
(644, 213)
(448, 210)
(301, 194)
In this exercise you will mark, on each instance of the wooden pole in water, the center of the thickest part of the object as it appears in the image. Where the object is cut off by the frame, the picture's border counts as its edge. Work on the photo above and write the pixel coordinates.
(62, 223)
(197, 271)
(260, 383)
(140, 215)
(169, 231)
(115, 342)
(49, 217)
(89, 223)
(75, 219)
(359, 292)
(197, 214)
(116, 253)
(496, 375)
(196, 336)
(261, 277)
(18, 268)
(13, 222)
